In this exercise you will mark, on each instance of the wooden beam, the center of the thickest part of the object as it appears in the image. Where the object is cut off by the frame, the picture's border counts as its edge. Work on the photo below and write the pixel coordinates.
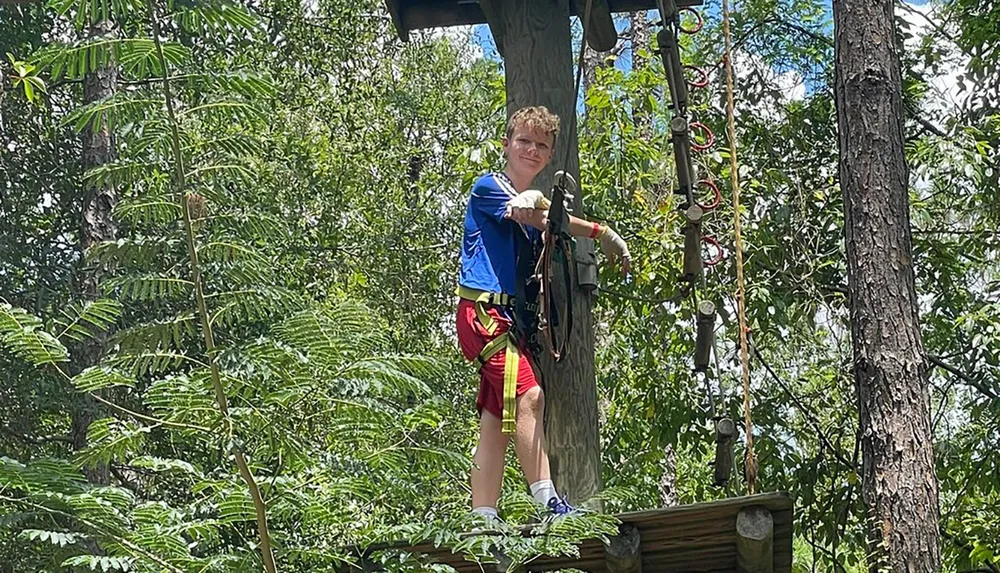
(602, 35)
(443, 13)
(754, 540)
(624, 554)
(393, 6)
(493, 11)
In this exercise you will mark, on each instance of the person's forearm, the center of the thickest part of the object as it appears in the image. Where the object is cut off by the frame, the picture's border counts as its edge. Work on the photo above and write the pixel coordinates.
(582, 228)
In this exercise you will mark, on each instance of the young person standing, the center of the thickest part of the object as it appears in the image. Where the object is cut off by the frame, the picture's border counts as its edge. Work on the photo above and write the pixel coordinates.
(503, 224)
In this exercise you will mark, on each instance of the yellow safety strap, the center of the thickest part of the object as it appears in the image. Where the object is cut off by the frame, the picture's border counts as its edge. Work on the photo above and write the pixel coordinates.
(511, 365)
(482, 299)
(510, 368)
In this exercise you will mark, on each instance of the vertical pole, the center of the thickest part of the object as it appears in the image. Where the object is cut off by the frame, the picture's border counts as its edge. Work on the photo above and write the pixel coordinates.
(538, 60)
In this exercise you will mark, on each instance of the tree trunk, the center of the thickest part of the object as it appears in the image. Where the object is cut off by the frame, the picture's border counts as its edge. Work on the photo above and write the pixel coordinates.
(898, 482)
(97, 225)
(537, 60)
(641, 39)
(668, 479)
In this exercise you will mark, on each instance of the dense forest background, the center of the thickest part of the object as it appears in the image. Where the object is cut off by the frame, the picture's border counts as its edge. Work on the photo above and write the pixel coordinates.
(230, 237)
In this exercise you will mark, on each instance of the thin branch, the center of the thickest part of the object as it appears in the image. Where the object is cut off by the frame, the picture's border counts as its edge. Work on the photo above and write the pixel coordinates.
(146, 418)
(808, 413)
(989, 393)
(674, 298)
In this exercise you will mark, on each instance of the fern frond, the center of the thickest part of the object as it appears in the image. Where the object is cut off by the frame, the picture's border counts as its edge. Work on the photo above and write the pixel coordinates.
(185, 399)
(253, 226)
(89, 12)
(139, 252)
(150, 288)
(22, 333)
(215, 17)
(136, 55)
(149, 210)
(140, 59)
(154, 137)
(220, 172)
(167, 334)
(57, 538)
(100, 377)
(226, 112)
(162, 465)
(238, 145)
(79, 322)
(333, 335)
(252, 304)
(111, 439)
(123, 173)
(153, 362)
(230, 251)
(378, 375)
(41, 475)
(114, 111)
(102, 563)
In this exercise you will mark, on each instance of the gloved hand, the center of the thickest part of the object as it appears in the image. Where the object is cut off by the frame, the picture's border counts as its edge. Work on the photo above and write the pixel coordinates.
(614, 248)
(530, 199)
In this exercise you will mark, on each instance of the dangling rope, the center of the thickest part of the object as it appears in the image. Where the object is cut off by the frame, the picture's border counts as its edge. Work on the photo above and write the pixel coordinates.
(750, 459)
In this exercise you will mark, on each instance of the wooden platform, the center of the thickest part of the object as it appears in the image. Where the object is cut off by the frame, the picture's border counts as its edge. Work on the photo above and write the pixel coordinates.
(700, 537)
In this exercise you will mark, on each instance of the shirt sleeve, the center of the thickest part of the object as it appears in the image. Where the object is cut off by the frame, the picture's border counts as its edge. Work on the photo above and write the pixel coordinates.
(489, 198)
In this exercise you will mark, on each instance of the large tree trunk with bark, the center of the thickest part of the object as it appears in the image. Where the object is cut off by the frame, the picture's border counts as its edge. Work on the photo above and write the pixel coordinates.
(898, 480)
(97, 225)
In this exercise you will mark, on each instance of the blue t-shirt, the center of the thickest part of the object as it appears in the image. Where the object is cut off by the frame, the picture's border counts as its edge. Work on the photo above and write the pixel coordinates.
(489, 243)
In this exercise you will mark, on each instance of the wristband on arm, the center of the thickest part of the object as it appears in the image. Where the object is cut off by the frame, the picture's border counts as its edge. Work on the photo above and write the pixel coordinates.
(596, 231)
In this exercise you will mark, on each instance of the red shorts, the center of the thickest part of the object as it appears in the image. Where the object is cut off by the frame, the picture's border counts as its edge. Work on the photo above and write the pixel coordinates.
(472, 337)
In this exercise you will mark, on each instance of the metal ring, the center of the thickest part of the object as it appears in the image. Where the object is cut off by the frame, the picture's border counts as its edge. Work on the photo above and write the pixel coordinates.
(702, 77)
(716, 195)
(710, 141)
(718, 250)
(698, 26)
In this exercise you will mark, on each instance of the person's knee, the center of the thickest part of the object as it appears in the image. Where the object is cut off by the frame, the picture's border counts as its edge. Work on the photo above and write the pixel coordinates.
(532, 402)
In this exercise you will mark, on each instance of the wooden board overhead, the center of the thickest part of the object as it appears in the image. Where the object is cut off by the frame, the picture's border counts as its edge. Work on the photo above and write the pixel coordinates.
(698, 537)
(410, 15)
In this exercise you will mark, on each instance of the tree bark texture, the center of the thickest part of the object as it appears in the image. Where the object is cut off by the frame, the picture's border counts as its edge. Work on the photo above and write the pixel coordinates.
(641, 39)
(898, 482)
(97, 225)
(537, 60)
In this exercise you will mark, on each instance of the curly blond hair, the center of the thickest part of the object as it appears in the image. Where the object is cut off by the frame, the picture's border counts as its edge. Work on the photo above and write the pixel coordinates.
(537, 117)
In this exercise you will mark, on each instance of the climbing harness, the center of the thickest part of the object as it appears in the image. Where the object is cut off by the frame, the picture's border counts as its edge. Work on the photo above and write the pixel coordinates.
(684, 142)
(507, 341)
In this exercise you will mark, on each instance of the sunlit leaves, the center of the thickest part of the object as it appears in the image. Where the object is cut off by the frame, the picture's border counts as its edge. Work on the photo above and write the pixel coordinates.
(24, 335)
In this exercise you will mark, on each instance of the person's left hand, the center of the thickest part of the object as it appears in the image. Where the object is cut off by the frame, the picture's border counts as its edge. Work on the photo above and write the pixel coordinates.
(614, 248)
